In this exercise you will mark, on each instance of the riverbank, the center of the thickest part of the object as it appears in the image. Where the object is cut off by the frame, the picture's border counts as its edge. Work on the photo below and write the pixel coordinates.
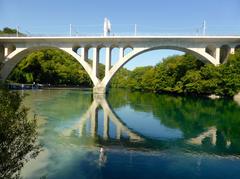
(21, 86)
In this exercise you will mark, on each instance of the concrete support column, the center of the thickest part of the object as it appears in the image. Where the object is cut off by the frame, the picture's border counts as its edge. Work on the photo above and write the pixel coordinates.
(106, 125)
(121, 52)
(108, 60)
(232, 50)
(8, 50)
(118, 133)
(94, 121)
(217, 56)
(95, 61)
(214, 139)
(84, 53)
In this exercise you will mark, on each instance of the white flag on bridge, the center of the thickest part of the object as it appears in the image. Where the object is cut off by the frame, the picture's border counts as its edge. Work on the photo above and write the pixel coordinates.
(106, 27)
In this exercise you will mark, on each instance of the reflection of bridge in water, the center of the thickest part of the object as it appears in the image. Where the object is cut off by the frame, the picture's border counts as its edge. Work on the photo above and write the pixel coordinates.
(211, 133)
(90, 121)
(91, 114)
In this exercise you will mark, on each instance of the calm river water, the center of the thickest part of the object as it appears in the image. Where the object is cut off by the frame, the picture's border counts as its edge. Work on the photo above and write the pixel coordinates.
(133, 135)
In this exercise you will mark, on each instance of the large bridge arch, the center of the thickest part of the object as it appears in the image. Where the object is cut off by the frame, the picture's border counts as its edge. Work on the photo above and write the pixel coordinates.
(200, 53)
(17, 55)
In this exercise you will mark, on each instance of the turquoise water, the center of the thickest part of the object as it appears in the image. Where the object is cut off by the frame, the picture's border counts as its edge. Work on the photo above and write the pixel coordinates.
(133, 135)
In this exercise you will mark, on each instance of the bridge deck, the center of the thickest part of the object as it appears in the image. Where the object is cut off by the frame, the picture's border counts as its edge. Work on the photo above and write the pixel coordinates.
(120, 38)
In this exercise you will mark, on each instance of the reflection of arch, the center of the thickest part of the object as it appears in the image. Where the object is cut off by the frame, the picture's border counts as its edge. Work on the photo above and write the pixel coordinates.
(224, 52)
(92, 114)
(17, 55)
(200, 54)
(136, 140)
(211, 132)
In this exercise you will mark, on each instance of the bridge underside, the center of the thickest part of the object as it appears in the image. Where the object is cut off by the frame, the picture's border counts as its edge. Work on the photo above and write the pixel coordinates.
(207, 49)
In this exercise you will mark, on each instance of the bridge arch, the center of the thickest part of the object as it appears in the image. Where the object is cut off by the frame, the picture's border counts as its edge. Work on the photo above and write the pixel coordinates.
(201, 54)
(17, 55)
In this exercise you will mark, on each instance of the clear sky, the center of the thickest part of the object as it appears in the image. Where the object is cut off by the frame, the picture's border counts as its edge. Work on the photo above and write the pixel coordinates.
(151, 16)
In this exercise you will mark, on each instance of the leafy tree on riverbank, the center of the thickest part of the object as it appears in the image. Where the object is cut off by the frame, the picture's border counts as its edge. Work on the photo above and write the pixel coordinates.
(185, 74)
(18, 135)
(52, 66)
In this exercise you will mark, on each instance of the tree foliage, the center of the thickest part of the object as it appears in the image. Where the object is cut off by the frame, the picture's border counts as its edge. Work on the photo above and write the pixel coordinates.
(17, 135)
(185, 74)
(52, 66)
(189, 114)
(7, 30)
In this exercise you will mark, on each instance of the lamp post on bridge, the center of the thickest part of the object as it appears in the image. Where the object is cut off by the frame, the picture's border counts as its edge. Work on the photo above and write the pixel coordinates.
(106, 27)
(70, 30)
(204, 27)
(135, 29)
(17, 31)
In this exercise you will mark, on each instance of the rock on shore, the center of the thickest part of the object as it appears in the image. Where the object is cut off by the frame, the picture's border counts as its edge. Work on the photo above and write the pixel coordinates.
(237, 98)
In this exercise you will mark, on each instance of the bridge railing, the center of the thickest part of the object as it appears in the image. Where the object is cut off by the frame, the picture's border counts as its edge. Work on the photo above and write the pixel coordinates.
(116, 34)
(123, 30)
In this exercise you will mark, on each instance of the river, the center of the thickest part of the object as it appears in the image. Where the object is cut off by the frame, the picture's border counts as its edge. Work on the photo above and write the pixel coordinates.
(133, 135)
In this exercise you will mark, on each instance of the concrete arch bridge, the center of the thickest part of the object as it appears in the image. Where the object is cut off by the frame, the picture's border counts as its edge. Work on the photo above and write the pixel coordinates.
(209, 49)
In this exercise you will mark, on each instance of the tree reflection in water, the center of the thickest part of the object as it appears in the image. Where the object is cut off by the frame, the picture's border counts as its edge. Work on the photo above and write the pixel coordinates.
(215, 122)
(18, 135)
(210, 126)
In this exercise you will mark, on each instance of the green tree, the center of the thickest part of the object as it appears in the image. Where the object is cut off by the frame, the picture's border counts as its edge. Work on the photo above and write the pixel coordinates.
(7, 30)
(18, 135)
(185, 74)
(51, 66)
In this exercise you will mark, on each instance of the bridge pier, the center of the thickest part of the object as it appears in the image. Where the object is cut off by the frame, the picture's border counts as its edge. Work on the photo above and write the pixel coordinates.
(99, 90)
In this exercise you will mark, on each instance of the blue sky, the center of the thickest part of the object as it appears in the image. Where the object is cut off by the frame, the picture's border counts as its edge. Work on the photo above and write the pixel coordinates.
(151, 17)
